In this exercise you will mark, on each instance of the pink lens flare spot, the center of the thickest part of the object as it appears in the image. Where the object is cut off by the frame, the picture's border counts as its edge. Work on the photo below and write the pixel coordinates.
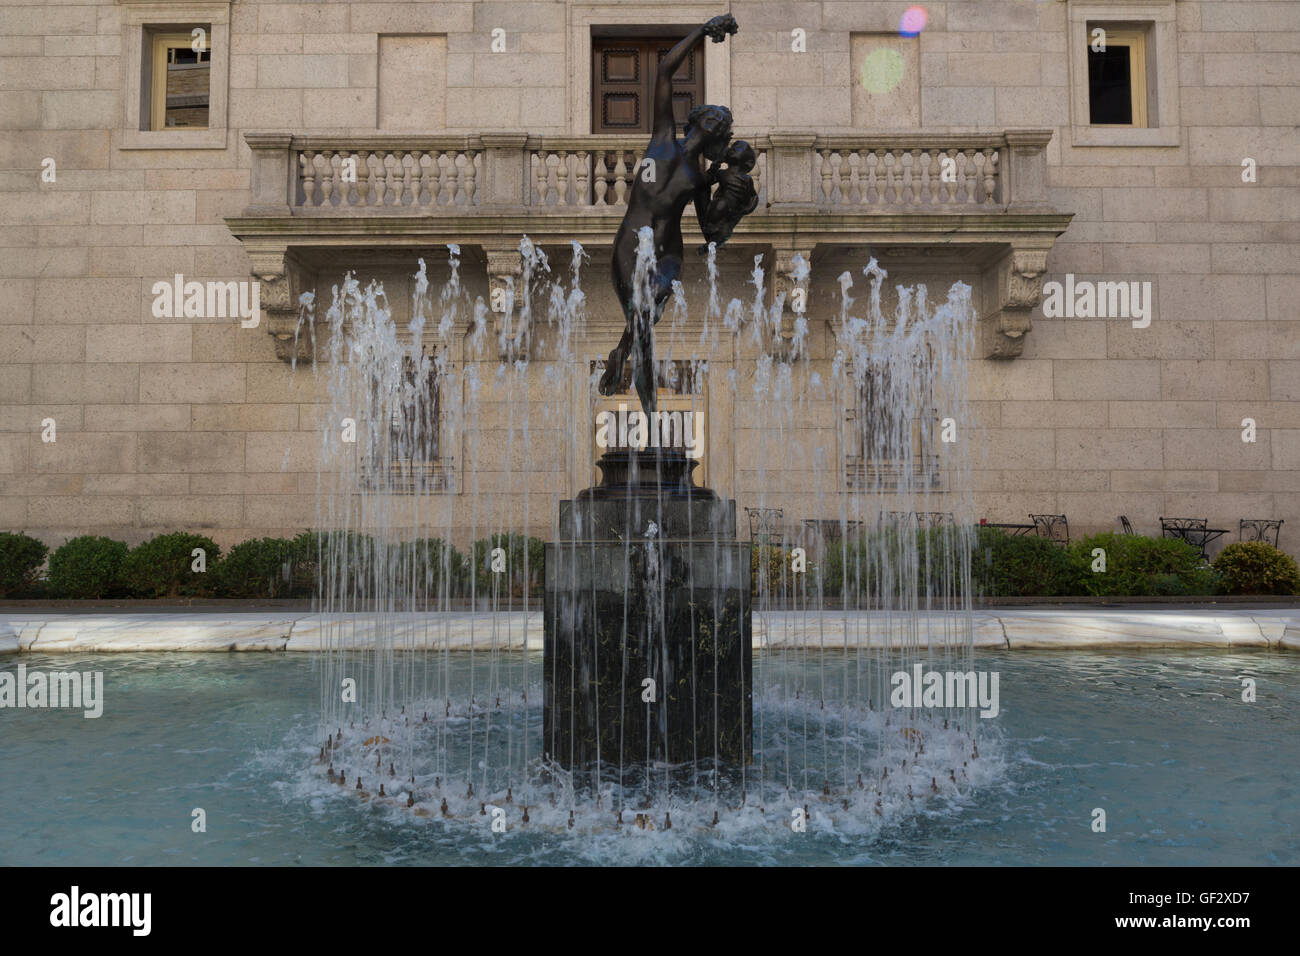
(913, 21)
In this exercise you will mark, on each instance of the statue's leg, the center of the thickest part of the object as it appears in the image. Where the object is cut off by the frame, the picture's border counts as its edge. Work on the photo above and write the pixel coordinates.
(643, 369)
(622, 268)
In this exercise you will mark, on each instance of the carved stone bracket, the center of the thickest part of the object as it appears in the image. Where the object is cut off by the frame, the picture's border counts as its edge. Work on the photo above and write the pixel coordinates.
(1016, 288)
(281, 281)
(509, 327)
(790, 270)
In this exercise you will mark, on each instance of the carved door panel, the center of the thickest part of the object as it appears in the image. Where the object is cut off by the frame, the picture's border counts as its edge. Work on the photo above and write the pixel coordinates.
(622, 83)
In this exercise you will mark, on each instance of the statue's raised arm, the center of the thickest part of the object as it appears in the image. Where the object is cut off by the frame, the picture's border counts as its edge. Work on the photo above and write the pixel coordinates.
(670, 175)
(717, 30)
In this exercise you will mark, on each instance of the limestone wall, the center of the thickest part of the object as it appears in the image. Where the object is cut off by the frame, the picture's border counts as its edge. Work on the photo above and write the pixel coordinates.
(167, 423)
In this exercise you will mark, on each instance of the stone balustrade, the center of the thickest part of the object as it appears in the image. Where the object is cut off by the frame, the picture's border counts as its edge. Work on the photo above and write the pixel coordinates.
(512, 173)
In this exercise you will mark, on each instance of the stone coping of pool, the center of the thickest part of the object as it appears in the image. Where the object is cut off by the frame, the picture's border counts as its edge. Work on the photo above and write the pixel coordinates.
(1006, 628)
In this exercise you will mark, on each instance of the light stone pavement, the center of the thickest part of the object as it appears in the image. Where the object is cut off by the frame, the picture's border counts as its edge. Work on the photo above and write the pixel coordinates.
(1009, 628)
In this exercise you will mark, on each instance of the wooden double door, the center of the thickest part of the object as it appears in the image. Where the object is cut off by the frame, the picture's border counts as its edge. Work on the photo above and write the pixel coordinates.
(622, 83)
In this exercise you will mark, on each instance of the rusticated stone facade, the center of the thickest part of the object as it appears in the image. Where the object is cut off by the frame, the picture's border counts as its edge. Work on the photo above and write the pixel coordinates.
(168, 423)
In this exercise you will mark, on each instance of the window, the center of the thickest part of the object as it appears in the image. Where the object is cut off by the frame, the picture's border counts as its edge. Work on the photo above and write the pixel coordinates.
(622, 82)
(181, 80)
(175, 82)
(1117, 77)
(1126, 94)
(406, 456)
(885, 451)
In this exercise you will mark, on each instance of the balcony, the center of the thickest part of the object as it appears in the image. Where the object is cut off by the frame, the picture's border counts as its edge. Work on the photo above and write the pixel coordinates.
(981, 196)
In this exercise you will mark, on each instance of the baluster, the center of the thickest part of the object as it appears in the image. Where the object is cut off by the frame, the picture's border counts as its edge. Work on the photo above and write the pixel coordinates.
(306, 160)
(826, 175)
(972, 177)
(471, 179)
(379, 179)
(891, 180)
(453, 177)
(539, 177)
(562, 178)
(581, 177)
(620, 180)
(855, 181)
(908, 183)
(872, 194)
(391, 193)
(428, 171)
(409, 185)
(991, 178)
(949, 185)
(926, 192)
(602, 183)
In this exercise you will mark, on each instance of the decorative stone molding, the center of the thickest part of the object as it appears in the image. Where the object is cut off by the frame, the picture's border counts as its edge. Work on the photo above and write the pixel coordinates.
(282, 280)
(1017, 288)
(509, 328)
(790, 271)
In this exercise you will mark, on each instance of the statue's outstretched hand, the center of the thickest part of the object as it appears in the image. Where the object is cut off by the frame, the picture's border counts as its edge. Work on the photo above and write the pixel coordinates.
(720, 27)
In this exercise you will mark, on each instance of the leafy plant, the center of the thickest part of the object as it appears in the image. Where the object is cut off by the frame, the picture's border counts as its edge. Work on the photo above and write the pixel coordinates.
(256, 568)
(1137, 565)
(1256, 567)
(86, 567)
(524, 566)
(21, 557)
(163, 566)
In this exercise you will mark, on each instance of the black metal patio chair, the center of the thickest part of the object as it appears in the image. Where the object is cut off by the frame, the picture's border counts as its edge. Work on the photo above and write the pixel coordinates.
(1054, 527)
(1126, 524)
(1267, 530)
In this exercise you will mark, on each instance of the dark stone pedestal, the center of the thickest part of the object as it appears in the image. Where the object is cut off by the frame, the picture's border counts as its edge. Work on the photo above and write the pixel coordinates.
(623, 605)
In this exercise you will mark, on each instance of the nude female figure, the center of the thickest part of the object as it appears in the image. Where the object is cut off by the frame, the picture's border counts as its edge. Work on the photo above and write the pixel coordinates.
(657, 200)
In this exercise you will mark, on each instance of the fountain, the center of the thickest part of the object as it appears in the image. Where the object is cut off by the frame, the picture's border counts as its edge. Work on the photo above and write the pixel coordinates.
(650, 708)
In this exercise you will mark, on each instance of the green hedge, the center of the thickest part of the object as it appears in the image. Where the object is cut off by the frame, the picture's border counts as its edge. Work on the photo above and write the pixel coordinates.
(429, 569)
(1256, 567)
(257, 568)
(21, 557)
(525, 565)
(87, 567)
(1140, 566)
(163, 566)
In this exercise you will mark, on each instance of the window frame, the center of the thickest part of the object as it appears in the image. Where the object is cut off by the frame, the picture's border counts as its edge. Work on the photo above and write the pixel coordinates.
(1139, 96)
(141, 22)
(1156, 20)
(160, 44)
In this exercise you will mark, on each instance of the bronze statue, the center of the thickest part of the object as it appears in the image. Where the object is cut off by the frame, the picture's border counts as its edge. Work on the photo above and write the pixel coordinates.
(736, 196)
(669, 177)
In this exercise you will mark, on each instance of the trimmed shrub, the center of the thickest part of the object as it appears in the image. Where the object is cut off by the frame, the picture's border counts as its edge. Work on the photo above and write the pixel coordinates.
(432, 567)
(516, 547)
(335, 556)
(86, 567)
(162, 566)
(1137, 565)
(773, 563)
(256, 568)
(21, 557)
(1256, 567)
(1004, 565)
(935, 566)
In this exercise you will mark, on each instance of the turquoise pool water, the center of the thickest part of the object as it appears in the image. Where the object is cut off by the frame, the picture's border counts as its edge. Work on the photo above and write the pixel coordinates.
(1187, 773)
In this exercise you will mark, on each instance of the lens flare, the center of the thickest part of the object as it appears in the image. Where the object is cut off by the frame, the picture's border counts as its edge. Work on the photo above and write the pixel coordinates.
(882, 71)
(913, 21)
